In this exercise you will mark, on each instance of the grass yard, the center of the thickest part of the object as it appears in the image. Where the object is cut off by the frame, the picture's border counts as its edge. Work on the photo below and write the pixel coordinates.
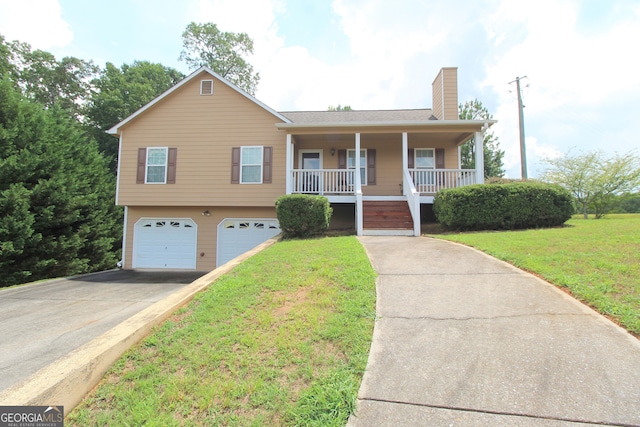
(598, 261)
(281, 340)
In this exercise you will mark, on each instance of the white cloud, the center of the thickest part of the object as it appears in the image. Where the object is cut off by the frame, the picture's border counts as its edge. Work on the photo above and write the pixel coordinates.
(37, 22)
(257, 20)
(580, 81)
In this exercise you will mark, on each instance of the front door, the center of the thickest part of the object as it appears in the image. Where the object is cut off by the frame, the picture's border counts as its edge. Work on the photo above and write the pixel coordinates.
(311, 162)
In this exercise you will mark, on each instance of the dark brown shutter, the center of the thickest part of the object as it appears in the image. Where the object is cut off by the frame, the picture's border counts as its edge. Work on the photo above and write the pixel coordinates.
(142, 164)
(371, 166)
(439, 158)
(171, 165)
(411, 157)
(235, 165)
(342, 159)
(266, 165)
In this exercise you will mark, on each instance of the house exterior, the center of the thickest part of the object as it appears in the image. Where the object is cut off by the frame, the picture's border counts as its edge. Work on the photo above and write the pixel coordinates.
(200, 168)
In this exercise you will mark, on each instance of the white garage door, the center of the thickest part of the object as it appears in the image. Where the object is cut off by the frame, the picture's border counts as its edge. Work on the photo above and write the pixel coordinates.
(238, 235)
(165, 243)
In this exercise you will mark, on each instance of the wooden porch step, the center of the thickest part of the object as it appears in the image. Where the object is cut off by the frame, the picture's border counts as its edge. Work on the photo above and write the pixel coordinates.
(387, 215)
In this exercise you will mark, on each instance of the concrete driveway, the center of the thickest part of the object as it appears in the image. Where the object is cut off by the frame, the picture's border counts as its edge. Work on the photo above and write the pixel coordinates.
(463, 339)
(41, 322)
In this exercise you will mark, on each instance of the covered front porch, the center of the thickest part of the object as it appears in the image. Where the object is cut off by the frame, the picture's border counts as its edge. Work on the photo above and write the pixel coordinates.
(383, 169)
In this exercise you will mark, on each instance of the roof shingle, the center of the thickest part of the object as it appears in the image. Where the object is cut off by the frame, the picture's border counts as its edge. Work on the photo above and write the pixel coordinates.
(360, 116)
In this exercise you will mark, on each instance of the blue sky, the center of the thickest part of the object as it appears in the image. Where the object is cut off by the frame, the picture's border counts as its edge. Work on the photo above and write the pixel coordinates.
(578, 55)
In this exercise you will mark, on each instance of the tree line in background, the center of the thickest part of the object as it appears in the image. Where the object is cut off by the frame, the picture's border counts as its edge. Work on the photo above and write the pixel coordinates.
(57, 164)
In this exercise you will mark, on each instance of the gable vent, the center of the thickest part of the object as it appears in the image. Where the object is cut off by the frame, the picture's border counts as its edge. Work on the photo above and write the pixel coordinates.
(206, 87)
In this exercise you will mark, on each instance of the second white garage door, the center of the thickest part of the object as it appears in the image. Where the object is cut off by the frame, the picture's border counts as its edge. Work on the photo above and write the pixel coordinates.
(165, 243)
(238, 235)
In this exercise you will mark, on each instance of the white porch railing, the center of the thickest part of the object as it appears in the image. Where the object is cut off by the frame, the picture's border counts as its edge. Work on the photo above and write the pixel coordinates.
(413, 199)
(323, 181)
(342, 181)
(431, 181)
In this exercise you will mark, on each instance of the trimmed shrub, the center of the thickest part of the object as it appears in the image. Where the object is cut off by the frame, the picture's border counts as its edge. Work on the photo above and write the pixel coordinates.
(503, 206)
(303, 215)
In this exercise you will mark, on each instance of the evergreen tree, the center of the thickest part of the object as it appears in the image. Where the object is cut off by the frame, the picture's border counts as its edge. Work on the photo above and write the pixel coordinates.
(56, 194)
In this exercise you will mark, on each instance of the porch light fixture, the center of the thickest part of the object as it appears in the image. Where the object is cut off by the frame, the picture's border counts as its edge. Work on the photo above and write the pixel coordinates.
(333, 151)
(206, 213)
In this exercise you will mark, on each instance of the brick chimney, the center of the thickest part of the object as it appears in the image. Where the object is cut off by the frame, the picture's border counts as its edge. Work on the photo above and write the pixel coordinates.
(445, 94)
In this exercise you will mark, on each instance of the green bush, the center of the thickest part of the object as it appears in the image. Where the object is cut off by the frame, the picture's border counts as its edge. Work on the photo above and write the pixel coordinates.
(302, 215)
(503, 206)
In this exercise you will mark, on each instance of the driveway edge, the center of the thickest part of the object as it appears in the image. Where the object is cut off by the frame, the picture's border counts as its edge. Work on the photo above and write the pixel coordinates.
(67, 381)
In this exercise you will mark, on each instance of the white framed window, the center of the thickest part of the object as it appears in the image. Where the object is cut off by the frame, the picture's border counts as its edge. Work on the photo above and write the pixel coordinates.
(351, 164)
(425, 158)
(251, 165)
(156, 171)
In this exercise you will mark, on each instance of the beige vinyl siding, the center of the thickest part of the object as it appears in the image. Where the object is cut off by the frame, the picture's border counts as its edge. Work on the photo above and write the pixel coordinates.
(445, 94)
(207, 226)
(203, 129)
(436, 88)
(450, 93)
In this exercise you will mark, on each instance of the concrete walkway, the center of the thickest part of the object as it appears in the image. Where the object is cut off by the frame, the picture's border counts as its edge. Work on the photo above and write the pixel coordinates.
(463, 339)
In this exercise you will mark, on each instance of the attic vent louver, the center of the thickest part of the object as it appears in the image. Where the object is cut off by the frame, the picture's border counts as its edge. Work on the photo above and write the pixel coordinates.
(206, 87)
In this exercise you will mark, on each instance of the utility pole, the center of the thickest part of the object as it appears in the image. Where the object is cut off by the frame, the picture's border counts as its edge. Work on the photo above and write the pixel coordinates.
(523, 149)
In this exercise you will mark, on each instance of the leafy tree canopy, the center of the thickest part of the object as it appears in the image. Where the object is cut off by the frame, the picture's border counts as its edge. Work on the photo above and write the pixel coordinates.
(119, 92)
(594, 178)
(43, 79)
(223, 52)
(493, 155)
(339, 108)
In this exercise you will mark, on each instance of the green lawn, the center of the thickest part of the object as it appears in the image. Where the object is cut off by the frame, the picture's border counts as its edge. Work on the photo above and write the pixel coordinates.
(598, 261)
(281, 340)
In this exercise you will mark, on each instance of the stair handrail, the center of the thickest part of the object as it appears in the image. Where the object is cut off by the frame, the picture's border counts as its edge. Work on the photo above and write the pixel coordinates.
(413, 199)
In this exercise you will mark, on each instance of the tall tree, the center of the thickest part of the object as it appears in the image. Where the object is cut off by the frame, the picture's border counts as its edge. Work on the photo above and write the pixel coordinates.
(119, 93)
(6, 66)
(56, 194)
(595, 179)
(65, 83)
(493, 165)
(223, 52)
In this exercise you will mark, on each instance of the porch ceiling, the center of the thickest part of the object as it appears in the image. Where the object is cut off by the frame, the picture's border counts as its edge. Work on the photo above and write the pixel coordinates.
(415, 138)
(454, 131)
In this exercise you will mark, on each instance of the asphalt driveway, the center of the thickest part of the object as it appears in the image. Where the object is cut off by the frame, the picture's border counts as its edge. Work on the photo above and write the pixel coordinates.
(42, 322)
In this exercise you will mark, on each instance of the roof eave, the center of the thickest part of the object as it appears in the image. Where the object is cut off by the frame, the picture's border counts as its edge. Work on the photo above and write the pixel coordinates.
(406, 124)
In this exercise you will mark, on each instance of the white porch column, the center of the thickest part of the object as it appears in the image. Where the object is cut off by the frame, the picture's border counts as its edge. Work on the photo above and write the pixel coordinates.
(288, 164)
(358, 155)
(405, 151)
(359, 206)
(479, 139)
